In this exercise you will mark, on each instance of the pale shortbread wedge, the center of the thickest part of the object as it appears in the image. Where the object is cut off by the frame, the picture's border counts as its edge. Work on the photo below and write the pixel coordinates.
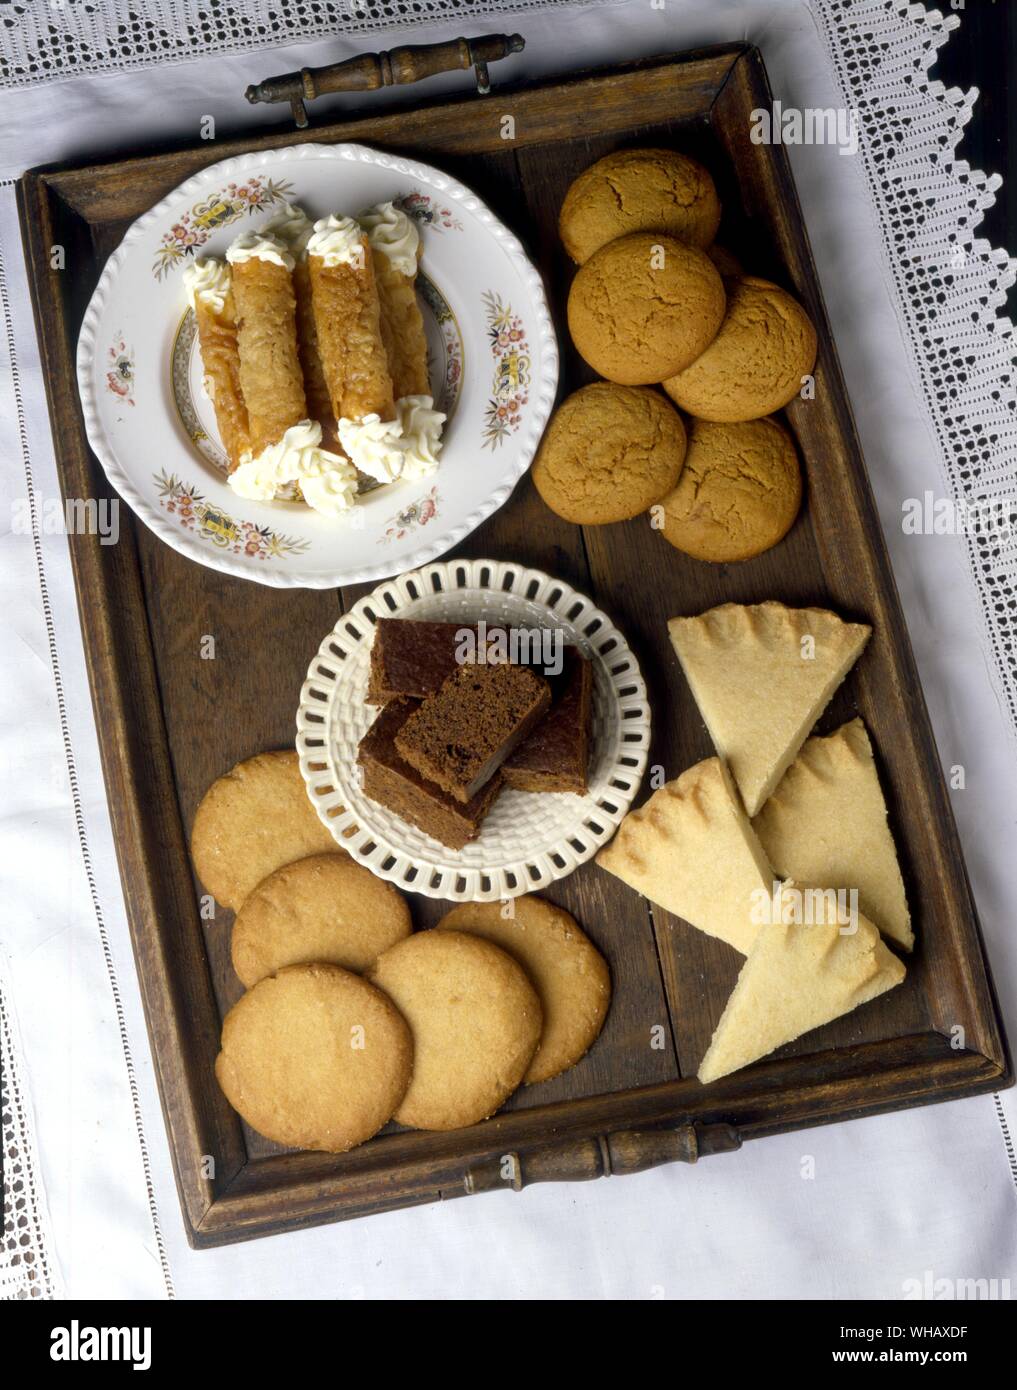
(762, 676)
(826, 823)
(801, 973)
(692, 850)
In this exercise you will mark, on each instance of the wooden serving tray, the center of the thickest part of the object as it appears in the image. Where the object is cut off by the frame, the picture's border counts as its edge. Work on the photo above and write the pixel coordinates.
(169, 722)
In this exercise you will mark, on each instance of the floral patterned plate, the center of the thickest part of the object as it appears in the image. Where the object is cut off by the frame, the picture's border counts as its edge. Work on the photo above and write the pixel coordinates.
(493, 360)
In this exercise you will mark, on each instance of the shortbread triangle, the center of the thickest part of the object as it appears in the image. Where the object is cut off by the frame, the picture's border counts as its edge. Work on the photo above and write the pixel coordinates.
(692, 850)
(826, 823)
(799, 975)
(762, 676)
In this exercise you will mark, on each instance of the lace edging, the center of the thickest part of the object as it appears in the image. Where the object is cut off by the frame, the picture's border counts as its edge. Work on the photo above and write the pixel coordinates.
(950, 283)
(25, 1268)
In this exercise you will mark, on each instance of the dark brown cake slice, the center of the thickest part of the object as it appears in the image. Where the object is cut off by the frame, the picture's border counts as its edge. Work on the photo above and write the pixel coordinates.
(390, 781)
(414, 658)
(554, 757)
(460, 735)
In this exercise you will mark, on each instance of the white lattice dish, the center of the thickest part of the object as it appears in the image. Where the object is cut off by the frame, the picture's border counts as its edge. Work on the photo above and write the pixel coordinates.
(492, 354)
(528, 839)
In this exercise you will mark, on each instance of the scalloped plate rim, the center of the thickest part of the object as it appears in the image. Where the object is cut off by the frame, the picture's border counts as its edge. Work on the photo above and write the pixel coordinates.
(280, 577)
(313, 730)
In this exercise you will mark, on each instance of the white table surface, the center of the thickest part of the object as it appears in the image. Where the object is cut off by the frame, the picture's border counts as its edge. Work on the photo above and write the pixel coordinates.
(891, 1198)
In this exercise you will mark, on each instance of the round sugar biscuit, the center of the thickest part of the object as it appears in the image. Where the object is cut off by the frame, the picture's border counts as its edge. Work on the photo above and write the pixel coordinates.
(638, 191)
(609, 453)
(756, 363)
(568, 972)
(323, 908)
(644, 307)
(739, 492)
(315, 1057)
(475, 1019)
(252, 821)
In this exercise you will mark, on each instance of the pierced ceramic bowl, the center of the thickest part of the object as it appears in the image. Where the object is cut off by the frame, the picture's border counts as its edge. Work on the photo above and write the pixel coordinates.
(528, 839)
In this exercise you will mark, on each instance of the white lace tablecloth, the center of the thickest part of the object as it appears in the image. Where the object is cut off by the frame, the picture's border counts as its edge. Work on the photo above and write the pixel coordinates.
(913, 294)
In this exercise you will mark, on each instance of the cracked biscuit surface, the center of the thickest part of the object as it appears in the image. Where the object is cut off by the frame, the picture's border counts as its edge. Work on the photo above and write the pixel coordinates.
(609, 453)
(644, 308)
(755, 363)
(634, 191)
(738, 493)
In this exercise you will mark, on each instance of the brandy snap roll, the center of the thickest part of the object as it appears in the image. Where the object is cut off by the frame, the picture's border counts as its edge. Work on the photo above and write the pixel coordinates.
(270, 374)
(395, 243)
(285, 445)
(384, 438)
(210, 294)
(347, 316)
(292, 225)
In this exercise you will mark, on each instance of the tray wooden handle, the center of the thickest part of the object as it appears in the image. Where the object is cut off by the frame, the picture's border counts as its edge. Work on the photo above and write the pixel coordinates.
(581, 1160)
(395, 67)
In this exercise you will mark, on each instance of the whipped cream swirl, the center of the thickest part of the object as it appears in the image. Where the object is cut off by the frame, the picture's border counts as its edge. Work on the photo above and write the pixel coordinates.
(208, 280)
(394, 234)
(327, 481)
(259, 246)
(337, 241)
(406, 447)
(291, 225)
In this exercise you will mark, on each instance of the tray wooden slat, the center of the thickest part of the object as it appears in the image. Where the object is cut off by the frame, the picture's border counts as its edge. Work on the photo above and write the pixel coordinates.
(170, 721)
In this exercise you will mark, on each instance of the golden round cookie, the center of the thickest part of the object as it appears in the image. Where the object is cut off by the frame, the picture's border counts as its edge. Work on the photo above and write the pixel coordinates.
(644, 307)
(609, 453)
(638, 191)
(739, 492)
(324, 908)
(475, 1020)
(252, 821)
(567, 971)
(315, 1057)
(755, 364)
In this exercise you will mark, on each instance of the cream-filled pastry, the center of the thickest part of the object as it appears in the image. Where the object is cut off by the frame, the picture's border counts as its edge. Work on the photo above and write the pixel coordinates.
(270, 371)
(395, 242)
(292, 226)
(208, 283)
(347, 318)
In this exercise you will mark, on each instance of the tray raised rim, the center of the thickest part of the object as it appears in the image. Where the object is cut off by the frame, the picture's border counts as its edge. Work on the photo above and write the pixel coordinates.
(900, 1071)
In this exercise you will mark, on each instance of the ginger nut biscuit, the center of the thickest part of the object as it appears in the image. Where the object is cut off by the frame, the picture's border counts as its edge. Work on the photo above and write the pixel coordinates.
(638, 191)
(644, 307)
(739, 491)
(609, 453)
(756, 363)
